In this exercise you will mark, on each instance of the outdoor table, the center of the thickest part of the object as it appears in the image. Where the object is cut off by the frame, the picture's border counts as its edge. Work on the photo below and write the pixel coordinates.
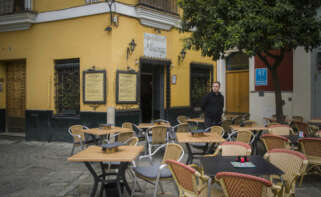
(315, 121)
(105, 132)
(256, 129)
(213, 165)
(196, 120)
(187, 138)
(124, 155)
(151, 125)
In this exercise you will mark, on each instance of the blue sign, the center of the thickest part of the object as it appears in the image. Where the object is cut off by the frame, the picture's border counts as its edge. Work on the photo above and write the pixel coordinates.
(261, 77)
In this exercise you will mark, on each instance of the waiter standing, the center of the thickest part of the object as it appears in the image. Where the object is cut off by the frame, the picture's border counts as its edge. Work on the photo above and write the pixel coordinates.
(212, 106)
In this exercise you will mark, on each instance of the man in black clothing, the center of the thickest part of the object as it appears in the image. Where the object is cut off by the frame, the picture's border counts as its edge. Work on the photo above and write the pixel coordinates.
(212, 106)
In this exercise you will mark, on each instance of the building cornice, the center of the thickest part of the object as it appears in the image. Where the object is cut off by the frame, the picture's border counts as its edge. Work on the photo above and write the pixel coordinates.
(147, 16)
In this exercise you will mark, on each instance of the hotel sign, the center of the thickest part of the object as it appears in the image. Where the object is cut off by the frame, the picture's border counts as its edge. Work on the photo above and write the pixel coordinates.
(155, 45)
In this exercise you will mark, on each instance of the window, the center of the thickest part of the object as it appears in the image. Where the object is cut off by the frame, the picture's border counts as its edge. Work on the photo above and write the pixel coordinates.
(237, 61)
(67, 79)
(12, 6)
(201, 80)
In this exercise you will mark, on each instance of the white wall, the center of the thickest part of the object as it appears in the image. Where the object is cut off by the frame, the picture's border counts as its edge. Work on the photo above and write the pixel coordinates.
(302, 83)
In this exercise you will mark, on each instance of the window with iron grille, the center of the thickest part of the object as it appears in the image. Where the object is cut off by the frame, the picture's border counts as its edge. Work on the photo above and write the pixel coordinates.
(12, 6)
(200, 82)
(67, 86)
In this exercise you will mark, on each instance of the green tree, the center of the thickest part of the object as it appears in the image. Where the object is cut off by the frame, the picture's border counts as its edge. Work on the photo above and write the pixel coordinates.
(256, 27)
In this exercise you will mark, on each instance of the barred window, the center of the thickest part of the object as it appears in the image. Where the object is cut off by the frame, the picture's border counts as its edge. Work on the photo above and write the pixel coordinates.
(201, 79)
(11, 6)
(67, 86)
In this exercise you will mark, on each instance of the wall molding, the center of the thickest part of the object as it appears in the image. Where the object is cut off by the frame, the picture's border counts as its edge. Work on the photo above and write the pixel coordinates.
(148, 17)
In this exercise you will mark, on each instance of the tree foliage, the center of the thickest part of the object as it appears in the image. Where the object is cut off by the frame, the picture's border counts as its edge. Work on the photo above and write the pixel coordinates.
(255, 27)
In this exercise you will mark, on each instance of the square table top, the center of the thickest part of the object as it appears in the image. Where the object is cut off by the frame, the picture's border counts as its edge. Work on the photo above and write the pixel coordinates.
(151, 125)
(315, 121)
(248, 128)
(207, 138)
(213, 165)
(96, 154)
(99, 132)
(197, 120)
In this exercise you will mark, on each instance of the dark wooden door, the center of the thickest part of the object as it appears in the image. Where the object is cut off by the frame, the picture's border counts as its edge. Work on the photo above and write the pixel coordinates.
(16, 75)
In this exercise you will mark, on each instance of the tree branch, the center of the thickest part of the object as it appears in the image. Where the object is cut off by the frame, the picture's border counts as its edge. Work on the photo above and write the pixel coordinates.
(271, 55)
(266, 62)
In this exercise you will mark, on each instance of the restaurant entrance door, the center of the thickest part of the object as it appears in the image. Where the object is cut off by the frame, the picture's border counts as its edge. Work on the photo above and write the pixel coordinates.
(152, 92)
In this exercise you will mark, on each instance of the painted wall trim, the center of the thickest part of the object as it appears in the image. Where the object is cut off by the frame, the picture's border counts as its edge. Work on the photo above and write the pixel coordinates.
(147, 16)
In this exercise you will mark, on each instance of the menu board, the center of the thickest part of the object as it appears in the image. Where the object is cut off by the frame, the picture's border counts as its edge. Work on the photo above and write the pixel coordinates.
(94, 87)
(126, 90)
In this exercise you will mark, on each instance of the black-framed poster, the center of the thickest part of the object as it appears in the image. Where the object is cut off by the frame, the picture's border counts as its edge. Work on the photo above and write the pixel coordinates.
(94, 87)
(127, 83)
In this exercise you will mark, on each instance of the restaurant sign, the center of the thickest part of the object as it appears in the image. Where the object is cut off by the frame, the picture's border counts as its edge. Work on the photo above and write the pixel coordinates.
(155, 45)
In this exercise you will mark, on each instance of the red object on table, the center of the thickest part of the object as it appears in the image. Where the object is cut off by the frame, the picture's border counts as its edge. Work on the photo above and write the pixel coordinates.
(242, 159)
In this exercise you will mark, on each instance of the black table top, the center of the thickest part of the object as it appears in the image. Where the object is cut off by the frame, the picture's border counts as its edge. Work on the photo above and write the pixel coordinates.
(213, 165)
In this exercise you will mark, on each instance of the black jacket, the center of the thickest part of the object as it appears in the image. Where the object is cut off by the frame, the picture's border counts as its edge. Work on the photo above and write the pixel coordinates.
(213, 104)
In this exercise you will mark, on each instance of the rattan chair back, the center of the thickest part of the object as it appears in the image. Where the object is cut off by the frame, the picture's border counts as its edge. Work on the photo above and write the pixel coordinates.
(182, 127)
(274, 141)
(181, 119)
(218, 130)
(311, 147)
(297, 118)
(237, 184)
(127, 125)
(235, 149)
(76, 131)
(302, 126)
(226, 124)
(244, 136)
(133, 141)
(280, 129)
(318, 133)
(173, 152)
(185, 178)
(238, 120)
(292, 163)
(159, 135)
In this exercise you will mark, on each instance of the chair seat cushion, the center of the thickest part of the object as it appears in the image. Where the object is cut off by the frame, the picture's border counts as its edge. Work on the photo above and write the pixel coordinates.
(152, 171)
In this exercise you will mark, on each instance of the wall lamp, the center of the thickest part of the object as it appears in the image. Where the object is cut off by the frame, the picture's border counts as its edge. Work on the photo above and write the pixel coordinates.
(131, 48)
(110, 4)
(182, 55)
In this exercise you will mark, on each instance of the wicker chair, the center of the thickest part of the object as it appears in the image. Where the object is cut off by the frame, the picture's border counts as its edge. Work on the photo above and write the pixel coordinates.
(182, 127)
(158, 137)
(236, 184)
(232, 149)
(297, 118)
(226, 124)
(158, 172)
(311, 147)
(292, 163)
(191, 182)
(238, 120)
(275, 141)
(245, 136)
(302, 126)
(181, 119)
(280, 129)
(76, 131)
(317, 134)
(213, 129)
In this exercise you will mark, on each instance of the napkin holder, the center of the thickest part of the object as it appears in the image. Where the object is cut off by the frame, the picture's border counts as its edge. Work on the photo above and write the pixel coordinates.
(111, 148)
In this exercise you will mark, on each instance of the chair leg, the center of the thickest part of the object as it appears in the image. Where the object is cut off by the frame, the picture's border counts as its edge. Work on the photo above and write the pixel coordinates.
(72, 150)
(156, 186)
(150, 152)
(301, 180)
(161, 187)
(134, 187)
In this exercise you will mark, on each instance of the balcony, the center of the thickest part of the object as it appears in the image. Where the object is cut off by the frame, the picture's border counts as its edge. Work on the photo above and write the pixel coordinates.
(16, 15)
(169, 6)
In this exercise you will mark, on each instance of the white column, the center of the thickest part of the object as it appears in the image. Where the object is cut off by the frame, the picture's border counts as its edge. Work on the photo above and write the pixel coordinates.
(221, 65)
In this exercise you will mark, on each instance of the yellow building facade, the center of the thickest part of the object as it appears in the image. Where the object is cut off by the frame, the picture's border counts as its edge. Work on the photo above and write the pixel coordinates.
(45, 38)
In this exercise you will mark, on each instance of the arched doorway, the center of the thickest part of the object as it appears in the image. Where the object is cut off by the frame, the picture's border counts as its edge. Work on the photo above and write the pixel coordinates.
(237, 83)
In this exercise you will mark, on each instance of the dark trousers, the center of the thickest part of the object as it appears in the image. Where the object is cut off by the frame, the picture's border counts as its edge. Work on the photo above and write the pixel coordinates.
(212, 121)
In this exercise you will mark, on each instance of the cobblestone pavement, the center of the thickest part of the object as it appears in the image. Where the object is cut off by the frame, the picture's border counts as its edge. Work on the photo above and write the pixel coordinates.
(41, 169)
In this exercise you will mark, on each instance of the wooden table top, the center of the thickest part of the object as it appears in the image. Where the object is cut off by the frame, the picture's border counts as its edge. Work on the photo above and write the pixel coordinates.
(207, 138)
(98, 131)
(197, 120)
(315, 121)
(248, 128)
(95, 154)
(150, 125)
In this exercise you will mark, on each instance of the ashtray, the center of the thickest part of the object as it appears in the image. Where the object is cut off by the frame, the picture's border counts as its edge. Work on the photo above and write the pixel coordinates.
(105, 126)
(198, 133)
(111, 148)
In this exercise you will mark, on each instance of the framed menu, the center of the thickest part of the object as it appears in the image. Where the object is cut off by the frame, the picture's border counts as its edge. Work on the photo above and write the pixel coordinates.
(127, 87)
(94, 87)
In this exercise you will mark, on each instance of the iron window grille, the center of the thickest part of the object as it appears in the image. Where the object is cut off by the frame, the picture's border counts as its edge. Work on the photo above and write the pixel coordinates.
(67, 87)
(12, 6)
